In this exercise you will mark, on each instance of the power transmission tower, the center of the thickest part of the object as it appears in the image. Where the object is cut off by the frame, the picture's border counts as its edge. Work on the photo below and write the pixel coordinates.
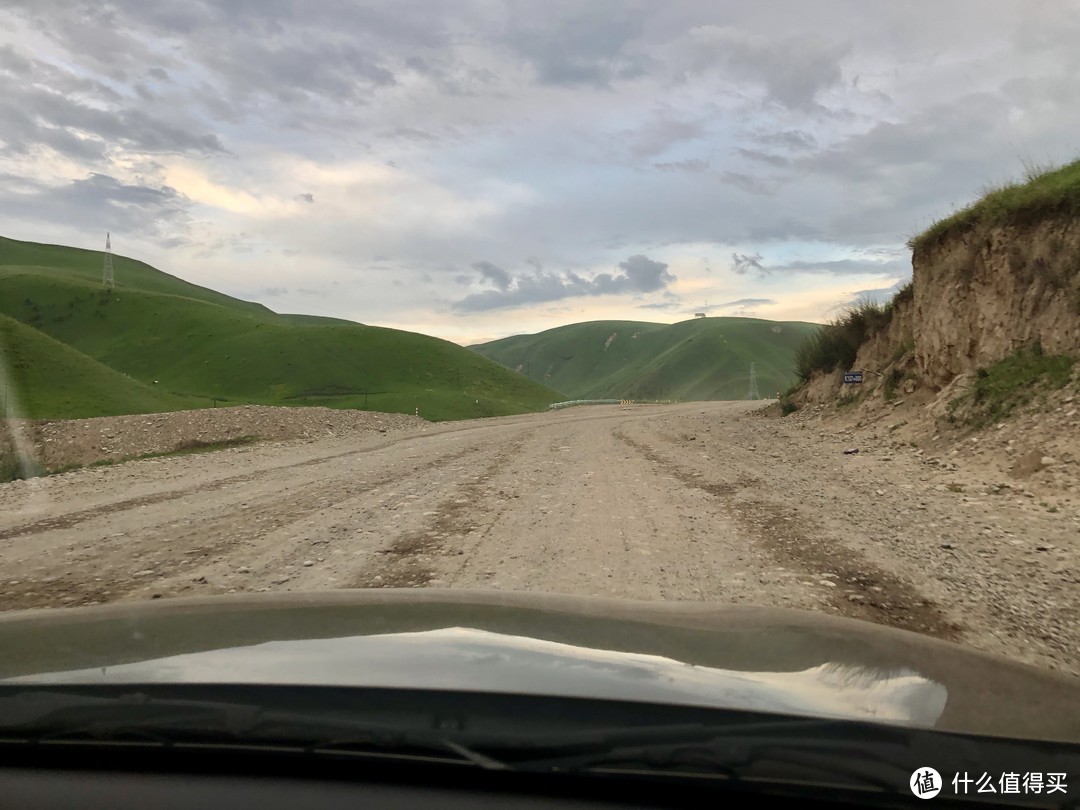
(107, 280)
(753, 393)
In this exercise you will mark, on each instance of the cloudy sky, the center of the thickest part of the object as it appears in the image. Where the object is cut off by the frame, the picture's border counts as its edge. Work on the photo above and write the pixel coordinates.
(478, 168)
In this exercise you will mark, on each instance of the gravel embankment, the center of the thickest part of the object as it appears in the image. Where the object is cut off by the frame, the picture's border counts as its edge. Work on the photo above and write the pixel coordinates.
(83, 441)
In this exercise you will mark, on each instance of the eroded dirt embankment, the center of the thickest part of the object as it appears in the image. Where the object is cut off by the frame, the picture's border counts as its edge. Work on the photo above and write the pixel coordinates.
(979, 296)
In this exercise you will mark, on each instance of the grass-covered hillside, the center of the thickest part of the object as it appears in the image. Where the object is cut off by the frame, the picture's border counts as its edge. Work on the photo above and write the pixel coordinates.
(704, 358)
(157, 343)
(45, 376)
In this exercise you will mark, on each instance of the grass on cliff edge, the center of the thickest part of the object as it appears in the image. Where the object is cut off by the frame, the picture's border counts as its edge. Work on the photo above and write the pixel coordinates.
(1043, 190)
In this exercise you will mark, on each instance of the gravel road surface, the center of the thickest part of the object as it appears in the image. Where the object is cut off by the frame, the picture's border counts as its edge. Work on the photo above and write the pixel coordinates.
(701, 501)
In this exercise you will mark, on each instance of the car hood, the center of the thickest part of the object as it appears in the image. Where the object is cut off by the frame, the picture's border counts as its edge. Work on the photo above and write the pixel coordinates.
(761, 659)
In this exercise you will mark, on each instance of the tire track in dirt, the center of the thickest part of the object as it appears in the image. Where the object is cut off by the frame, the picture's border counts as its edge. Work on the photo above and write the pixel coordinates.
(170, 549)
(74, 518)
(871, 593)
(409, 561)
(70, 519)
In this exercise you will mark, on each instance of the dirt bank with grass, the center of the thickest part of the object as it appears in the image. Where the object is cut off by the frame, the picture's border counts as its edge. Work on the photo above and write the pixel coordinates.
(989, 324)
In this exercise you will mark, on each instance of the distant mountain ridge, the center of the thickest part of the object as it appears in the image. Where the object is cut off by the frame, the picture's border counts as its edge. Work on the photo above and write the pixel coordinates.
(699, 359)
(156, 343)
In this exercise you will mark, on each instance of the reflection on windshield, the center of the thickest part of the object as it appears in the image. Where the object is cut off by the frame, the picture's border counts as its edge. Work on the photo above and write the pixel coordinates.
(487, 661)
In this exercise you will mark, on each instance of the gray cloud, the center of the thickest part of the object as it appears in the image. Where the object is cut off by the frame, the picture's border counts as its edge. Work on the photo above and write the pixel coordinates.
(764, 157)
(844, 267)
(580, 43)
(99, 202)
(746, 302)
(273, 292)
(743, 263)
(494, 275)
(308, 197)
(747, 182)
(642, 274)
(793, 70)
(660, 134)
(639, 274)
(793, 140)
(691, 166)
(41, 103)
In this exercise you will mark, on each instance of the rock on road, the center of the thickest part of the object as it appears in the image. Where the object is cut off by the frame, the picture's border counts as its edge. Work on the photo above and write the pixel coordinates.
(699, 501)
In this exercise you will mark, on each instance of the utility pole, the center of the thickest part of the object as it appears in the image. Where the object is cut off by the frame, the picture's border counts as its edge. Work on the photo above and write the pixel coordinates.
(107, 280)
(753, 393)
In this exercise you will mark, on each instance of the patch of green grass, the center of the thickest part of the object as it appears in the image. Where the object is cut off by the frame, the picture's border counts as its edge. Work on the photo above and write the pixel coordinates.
(892, 381)
(12, 470)
(906, 346)
(1009, 384)
(1043, 191)
(848, 401)
(51, 380)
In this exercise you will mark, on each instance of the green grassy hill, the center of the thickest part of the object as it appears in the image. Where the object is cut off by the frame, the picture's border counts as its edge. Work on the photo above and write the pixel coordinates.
(183, 345)
(704, 358)
(47, 377)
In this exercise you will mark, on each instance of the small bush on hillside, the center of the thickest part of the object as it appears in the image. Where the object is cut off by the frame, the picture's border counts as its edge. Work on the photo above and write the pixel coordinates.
(837, 343)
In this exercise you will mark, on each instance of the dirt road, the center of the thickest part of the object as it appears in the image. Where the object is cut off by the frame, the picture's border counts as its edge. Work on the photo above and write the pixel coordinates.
(702, 501)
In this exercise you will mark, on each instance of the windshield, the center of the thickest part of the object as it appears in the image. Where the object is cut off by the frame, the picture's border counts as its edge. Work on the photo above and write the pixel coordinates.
(694, 353)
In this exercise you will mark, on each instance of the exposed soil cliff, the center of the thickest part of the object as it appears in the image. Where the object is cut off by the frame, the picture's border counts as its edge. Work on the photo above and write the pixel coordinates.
(978, 296)
(981, 295)
(974, 362)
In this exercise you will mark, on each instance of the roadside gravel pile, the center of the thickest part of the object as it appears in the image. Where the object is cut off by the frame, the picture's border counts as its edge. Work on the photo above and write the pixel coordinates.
(84, 441)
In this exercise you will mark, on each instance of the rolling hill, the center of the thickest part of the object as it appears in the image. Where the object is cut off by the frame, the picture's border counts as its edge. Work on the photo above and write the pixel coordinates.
(156, 343)
(704, 358)
(48, 377)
